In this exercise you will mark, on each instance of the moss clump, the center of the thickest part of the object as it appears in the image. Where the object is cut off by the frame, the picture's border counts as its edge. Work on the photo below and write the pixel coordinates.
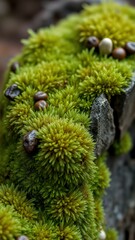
(9, 226)
(124, 145)
(109, 24)
(106, 77)
(56, 191)
(44, 232)
(9, 196)
(111, 234)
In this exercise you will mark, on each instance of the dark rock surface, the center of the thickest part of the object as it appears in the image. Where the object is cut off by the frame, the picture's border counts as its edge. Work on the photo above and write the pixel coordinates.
(102, 124)
(124, 108)
(119, 202)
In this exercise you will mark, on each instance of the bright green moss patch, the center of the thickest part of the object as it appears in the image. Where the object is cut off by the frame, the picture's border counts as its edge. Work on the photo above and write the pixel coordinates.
(107, 21)
(108, 77)
(56, 191)
(9, 226)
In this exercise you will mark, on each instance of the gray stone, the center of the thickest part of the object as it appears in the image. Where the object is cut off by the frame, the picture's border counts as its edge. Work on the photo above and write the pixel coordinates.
(124, 108)
(102, 124)
(119, 200)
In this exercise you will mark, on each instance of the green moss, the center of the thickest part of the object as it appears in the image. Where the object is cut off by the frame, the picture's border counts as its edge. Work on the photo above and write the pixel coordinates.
(10, 196)
(9, 226)
(111, 234)
(124, 145)
(102, 176)
(69, 155)
(106, 77)
(107, 20)
(44, 232)
(56, 192)
(69, 232)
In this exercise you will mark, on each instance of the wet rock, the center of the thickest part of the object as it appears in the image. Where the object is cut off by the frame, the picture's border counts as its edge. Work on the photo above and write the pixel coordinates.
(40, 96)
(105, 46)
(130, 47)
(119, 53)
(102, 124)
(12, 92)
(92, 41)
(41, 105)
(30, 141)
(119, 200)
(124, 108)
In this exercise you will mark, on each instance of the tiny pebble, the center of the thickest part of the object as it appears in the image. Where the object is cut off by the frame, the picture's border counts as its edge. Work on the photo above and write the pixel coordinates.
(40, 105)
(30, 141)
(102, 235)
(92, 42)
(119, 53)
(105, 46)
(40, 96)
(22, 238)
(12, 92)
(130, 47)
(14, 67)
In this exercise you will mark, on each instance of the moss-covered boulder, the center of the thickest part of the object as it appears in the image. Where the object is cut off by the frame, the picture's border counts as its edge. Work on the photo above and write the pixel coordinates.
(51, 183)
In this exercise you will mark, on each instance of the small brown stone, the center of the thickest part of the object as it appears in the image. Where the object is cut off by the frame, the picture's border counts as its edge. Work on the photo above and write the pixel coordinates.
(119, 53)
(30, 141)
(22, 238)
(40, 96)
(130, 47)
(92, 42)
(40, 105)
(14, 67)
(12, 92)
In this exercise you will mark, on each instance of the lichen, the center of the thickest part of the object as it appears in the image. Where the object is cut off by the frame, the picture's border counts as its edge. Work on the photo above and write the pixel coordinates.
(56, 192)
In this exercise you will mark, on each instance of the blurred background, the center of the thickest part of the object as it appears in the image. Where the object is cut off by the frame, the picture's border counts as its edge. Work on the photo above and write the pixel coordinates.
(16, 17)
